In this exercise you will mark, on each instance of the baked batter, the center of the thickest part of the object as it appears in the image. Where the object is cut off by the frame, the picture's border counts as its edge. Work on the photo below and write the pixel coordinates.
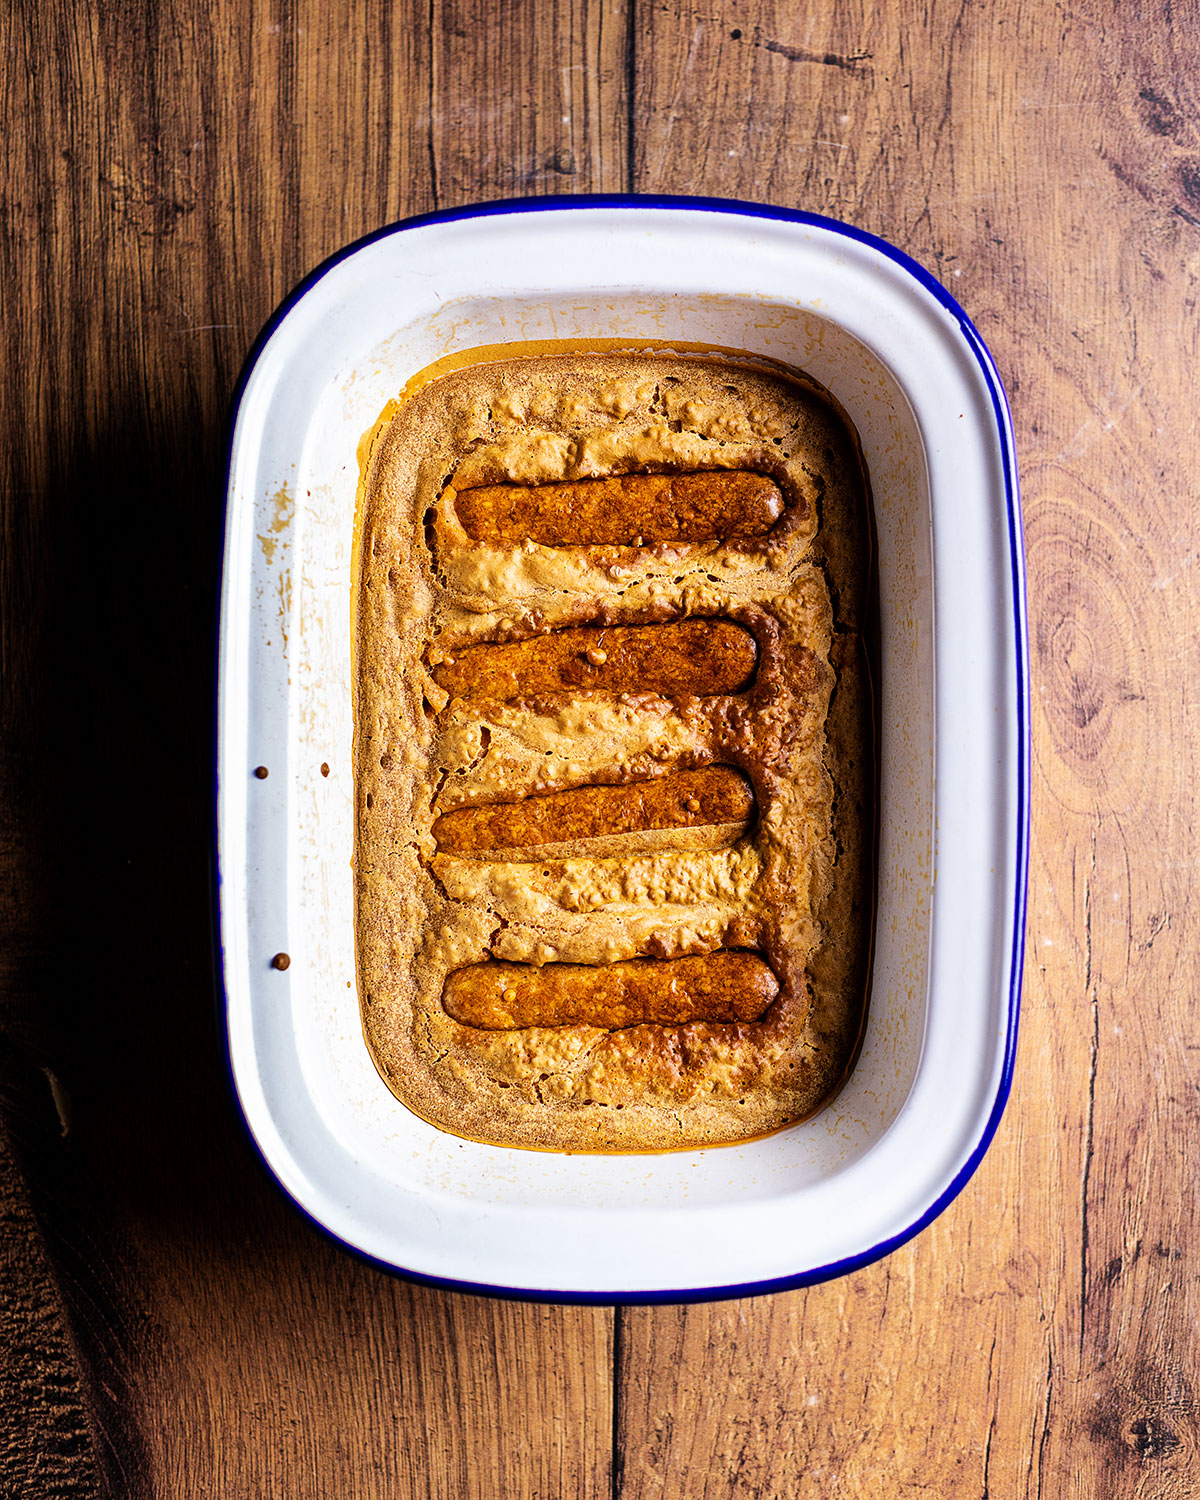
(613, 751)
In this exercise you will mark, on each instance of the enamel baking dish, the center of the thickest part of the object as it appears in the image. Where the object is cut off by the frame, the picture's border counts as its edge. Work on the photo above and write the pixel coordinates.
(911, 1124)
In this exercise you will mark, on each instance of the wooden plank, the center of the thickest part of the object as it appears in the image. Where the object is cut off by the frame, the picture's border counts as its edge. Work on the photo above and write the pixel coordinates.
(317, 1376)
(175, 171)
(528, 98)
(173, 175)
(1040, 1338)
(47, 1445)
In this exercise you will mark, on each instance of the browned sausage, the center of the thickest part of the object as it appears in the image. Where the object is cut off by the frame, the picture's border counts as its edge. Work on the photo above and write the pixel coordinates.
(697, 657)
(495, 996)
(625, 510)
(684, 799)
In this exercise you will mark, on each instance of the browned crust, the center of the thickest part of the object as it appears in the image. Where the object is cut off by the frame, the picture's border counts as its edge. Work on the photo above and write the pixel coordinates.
(796, 888)
(624, 510)
(702, 658)
(725, 986)
(688, 799)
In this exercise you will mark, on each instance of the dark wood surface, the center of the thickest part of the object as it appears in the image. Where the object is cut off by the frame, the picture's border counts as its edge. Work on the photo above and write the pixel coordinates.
(168, 1326)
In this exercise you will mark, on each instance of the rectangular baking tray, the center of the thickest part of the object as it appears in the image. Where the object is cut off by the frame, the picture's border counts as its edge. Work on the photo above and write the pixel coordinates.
(911, 1124)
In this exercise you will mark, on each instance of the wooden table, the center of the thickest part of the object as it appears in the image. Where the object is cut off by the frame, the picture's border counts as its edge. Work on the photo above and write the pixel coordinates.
(169, 1326)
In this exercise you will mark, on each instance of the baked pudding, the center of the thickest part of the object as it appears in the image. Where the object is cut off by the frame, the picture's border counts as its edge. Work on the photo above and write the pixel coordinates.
(613, 750)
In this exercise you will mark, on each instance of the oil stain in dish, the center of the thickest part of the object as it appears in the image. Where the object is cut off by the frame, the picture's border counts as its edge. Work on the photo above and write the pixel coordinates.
(283, 504)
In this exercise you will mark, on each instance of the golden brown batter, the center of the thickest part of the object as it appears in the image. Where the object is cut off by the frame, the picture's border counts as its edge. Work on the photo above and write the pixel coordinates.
(613, 751)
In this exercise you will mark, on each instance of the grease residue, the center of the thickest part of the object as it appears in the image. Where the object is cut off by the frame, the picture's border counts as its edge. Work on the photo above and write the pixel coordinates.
(283, 507)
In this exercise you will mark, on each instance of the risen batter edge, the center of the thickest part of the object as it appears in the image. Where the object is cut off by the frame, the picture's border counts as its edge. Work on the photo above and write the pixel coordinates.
(796, 886)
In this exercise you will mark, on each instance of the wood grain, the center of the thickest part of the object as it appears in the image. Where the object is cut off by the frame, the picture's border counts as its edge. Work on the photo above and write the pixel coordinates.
(527, 97)
(172, 1327)
(176, 170)
(1039, 1339)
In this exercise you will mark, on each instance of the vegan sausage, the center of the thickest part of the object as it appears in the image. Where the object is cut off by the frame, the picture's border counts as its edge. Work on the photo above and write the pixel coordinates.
(625, 510)
(693, 657)
(681, 799)
(497, 996)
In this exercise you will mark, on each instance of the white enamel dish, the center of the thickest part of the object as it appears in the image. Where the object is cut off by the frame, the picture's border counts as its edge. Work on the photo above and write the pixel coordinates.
(910, 1126)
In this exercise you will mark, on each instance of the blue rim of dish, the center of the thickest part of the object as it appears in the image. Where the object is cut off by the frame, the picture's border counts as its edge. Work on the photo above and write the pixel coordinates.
(736, 208)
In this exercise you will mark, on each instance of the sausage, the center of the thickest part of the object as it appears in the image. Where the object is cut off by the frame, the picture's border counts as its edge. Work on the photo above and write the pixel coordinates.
(693, 657)
(497, 996)
(682, 799)
(624, 510)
